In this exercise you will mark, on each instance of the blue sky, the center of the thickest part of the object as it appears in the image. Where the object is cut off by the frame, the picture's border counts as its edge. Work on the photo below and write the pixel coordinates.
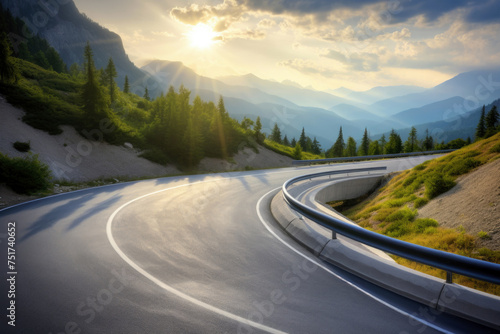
(320, 43)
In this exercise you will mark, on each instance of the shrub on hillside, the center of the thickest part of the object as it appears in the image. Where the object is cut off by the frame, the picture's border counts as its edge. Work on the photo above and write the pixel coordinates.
(462, 166)
(495, 149)
(437, 184)
(22, 146)
(24, 175)
(155, 155)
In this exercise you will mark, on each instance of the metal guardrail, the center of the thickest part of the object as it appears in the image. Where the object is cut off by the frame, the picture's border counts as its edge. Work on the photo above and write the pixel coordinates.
(451, 263)
(368, 157)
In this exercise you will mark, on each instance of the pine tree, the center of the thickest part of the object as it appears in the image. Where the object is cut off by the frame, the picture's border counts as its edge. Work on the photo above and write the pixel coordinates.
(110, 74)
(41, 60)
(286, 142)
(337, 150)
(297, 152)
(55, 61)
(293, 142)
(192, 141)
(491, 121)
(94, 103)
(146, 94)
(374, 148)
(8, 71)
(365, 144)
(382, 142)
(395, 144)
(74, 71)
(350, 150)
(276, 134)
(222, 108)
(411, 144)
(126, 86)
(428, 143)
(303, 140)
(316, 147)
(259, 136)
(481, 126)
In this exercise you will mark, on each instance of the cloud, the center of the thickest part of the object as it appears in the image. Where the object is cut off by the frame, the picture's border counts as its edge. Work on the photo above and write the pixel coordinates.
(223, 15)
(163, 33)
(266, 23)
(390, 11)
(485, 12)
(402, 34)
(364, 61)
(246, 34)
(307, 67)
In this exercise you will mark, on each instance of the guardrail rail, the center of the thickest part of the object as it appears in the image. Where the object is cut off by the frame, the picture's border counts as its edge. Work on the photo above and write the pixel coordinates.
(369, 157)
(451, 263)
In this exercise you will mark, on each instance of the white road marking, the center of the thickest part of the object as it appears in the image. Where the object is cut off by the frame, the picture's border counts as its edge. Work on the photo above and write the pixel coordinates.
(168, 287)
(392, 307)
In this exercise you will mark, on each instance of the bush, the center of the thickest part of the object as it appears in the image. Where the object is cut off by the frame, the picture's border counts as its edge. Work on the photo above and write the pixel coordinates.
(420, 202)
(438, 184)
(155, 155)
(24, 175)
(398, 229)
(422, 224)
(495, 149)
(462, 166)
(484, 235)
(405, 214)
(21, 146)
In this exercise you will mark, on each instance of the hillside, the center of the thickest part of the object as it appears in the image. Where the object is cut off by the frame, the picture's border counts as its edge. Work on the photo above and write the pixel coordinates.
(67, 30)
(77, 165)
(473, 203)
(434, 205)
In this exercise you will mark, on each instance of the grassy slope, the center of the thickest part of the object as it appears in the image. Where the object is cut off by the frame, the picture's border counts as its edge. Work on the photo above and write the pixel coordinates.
(393, 209)
(288, 151)
(52, 99)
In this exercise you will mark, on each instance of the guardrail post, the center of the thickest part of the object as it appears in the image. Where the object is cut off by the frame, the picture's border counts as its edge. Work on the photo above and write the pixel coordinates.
(449, 277)
(334, 235)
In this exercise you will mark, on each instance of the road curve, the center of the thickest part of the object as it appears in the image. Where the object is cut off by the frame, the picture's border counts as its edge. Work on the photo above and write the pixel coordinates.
(197, 254)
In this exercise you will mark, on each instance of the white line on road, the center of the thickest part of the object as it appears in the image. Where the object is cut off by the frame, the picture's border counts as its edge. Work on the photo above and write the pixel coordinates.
(392, 307)
(168, 287)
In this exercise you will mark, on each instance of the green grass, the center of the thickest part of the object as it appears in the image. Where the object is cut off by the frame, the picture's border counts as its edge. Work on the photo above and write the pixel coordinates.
(288, 151)
(393, 209)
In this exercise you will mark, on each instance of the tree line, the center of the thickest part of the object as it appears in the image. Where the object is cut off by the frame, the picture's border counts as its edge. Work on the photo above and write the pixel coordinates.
(488, 125)
(169, 127)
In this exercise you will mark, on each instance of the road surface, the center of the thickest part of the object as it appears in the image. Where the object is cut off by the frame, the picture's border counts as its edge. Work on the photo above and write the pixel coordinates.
(188, 254)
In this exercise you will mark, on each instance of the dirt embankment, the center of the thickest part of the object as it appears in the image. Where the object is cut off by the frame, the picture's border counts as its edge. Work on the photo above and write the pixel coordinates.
(74, 158)
(473, 203)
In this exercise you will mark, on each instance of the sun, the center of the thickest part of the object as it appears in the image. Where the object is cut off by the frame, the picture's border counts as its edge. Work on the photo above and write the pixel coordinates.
(202, 36)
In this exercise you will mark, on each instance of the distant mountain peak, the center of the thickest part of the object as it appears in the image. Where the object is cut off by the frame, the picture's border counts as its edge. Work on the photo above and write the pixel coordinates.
(291, 83)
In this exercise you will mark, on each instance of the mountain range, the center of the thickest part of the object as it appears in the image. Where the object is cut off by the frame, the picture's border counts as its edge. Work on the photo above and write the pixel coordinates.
(287, 103)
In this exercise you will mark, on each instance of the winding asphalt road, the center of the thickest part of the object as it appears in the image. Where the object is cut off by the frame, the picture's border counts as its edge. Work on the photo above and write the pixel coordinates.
(197, 254)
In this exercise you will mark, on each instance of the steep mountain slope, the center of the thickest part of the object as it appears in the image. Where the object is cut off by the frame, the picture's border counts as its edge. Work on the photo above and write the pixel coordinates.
(169, 73)
(67, 30)
(477, 87)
